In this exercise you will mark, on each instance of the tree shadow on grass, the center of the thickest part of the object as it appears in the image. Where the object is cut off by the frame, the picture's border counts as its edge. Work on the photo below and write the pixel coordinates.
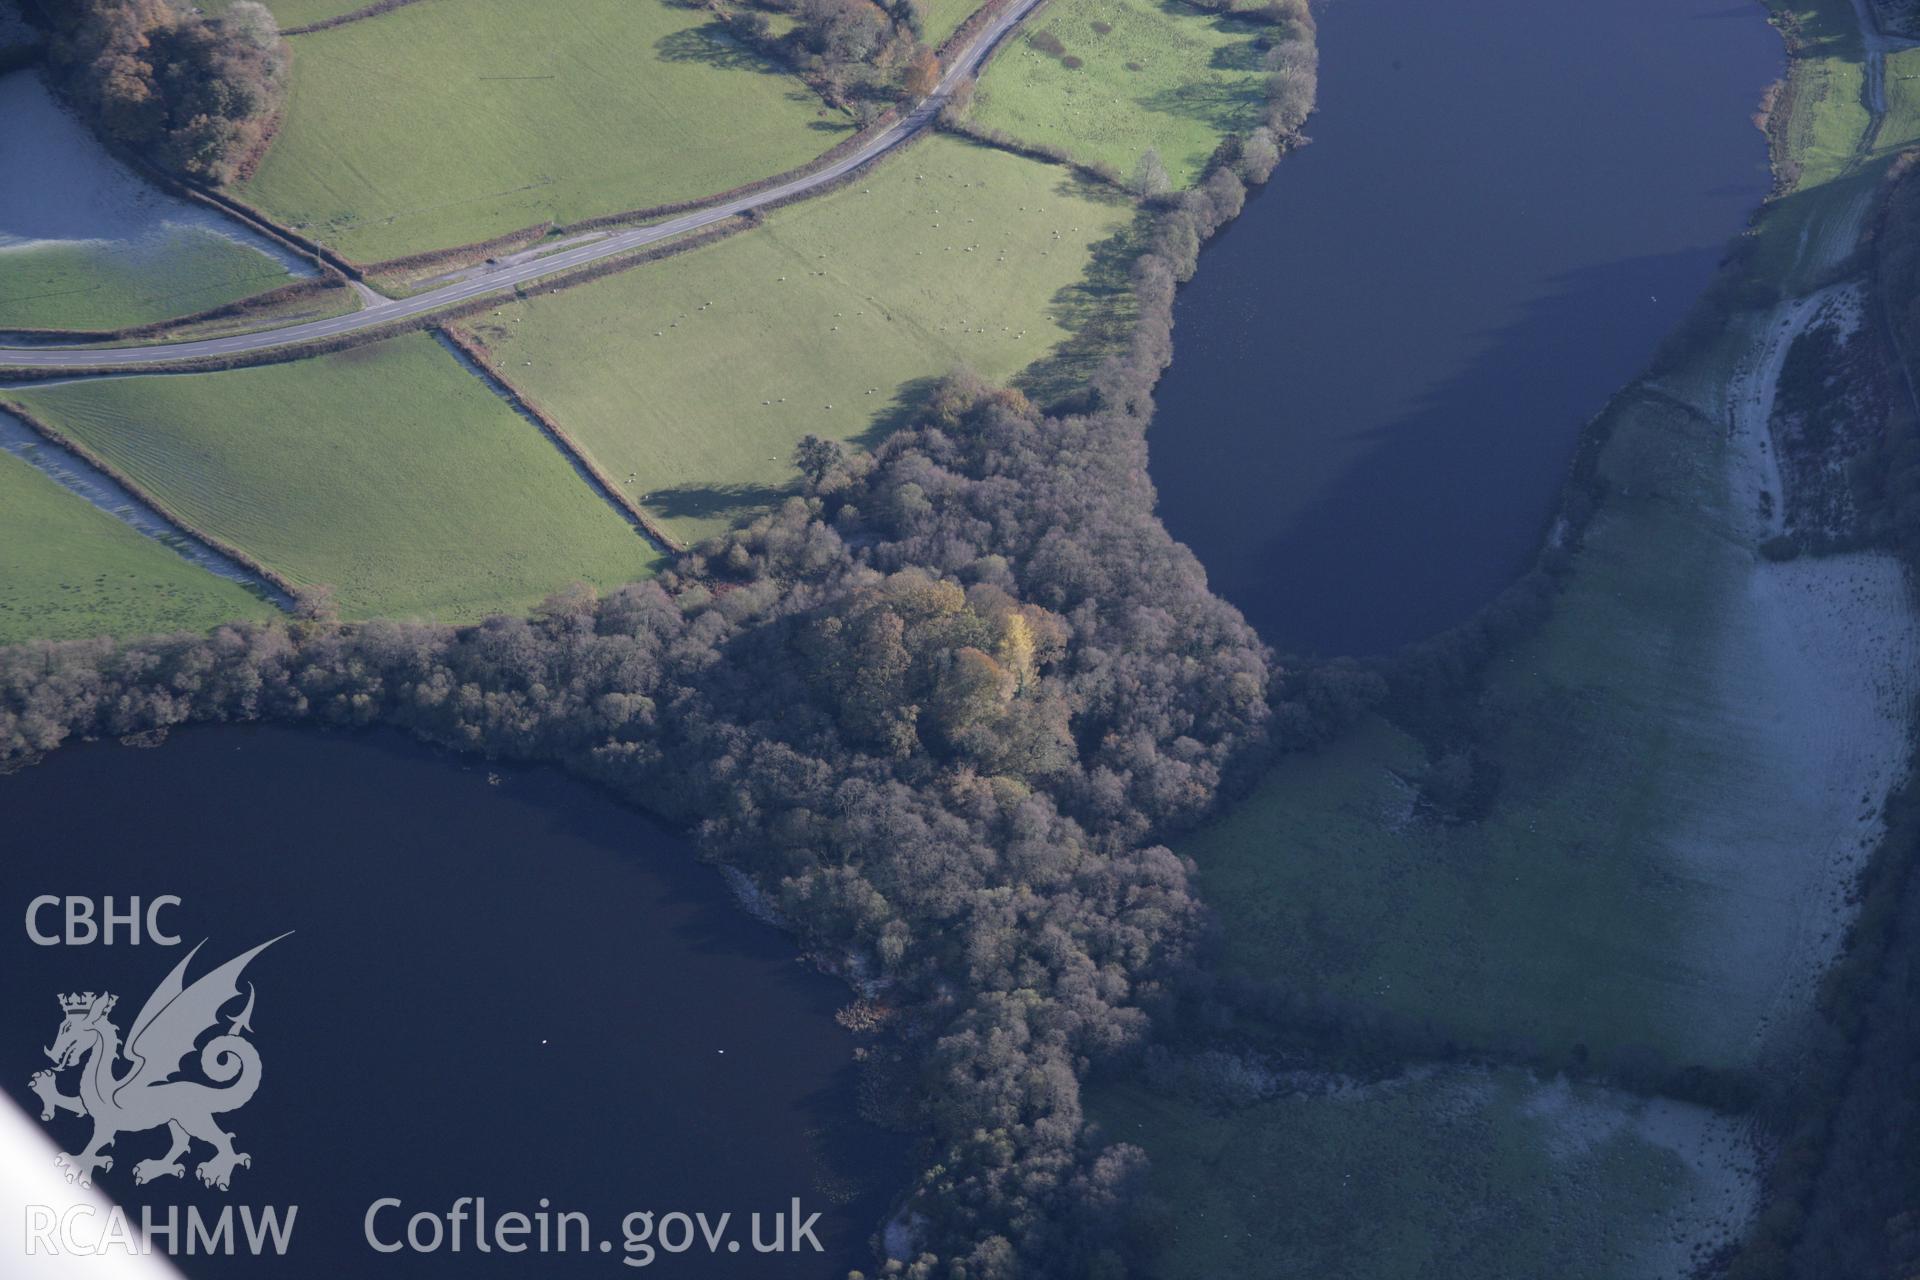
(1225, 23)
(1098, 313)
(711, 43)
(1241, 55)
(1223, 107)
(900, 413)
(718, 501)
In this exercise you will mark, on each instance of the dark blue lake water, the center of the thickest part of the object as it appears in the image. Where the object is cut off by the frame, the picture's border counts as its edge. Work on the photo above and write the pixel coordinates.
(1381, 368)
(513, 989)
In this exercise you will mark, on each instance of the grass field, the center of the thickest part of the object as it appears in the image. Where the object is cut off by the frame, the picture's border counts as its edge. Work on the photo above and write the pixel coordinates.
(69, 571)
(1165, 76)
(446, 123)
(945, 16)
(387, 472)
(1460, 1175)
(696, 375)
(90, 286)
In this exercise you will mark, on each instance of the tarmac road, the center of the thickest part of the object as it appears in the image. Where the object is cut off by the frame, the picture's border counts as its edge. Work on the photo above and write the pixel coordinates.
(503, 278)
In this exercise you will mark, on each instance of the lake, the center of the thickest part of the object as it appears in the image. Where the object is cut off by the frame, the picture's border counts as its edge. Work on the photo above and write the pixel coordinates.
(1382, 367)
(499, 983)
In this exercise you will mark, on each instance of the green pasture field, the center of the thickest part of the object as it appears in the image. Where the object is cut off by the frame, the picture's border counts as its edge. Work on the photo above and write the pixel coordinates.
(81, 286)
(445, 123)
(945, 16)
(1199, 78)
(692, 378)
(69, 571)
(387, 472)
(1457, 1175)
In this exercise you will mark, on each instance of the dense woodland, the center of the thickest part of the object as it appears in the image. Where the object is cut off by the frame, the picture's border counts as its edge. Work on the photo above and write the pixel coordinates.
(197, 96)
(942, 708)
(945, 707)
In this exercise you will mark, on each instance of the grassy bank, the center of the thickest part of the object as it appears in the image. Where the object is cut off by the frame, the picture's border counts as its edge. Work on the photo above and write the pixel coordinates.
(442, 124)
(945, 16)
(692, 379)
(387, 473)
(91, 286)
(69, 571)
(1152, 74)
(307, 300)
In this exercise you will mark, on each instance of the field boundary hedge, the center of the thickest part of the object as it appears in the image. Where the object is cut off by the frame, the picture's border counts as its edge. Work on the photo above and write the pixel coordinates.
(522, 238)
(373, 10)
(474, 348)
(238, 307)
(1036, 151)
(392, 329)
(53, 435)
(456, 254)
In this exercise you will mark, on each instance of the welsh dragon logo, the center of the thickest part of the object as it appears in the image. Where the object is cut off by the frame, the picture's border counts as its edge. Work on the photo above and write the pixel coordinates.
(146, 1095)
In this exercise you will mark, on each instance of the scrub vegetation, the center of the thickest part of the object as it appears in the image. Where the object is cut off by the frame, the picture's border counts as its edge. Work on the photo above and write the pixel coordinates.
(943, 17)
(693, 380)
(385, 473)
(443, 124)
(73, 571)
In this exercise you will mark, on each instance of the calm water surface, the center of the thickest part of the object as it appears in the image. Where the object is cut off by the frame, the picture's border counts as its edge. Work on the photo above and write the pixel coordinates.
(511, 988)
(1381, 368)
